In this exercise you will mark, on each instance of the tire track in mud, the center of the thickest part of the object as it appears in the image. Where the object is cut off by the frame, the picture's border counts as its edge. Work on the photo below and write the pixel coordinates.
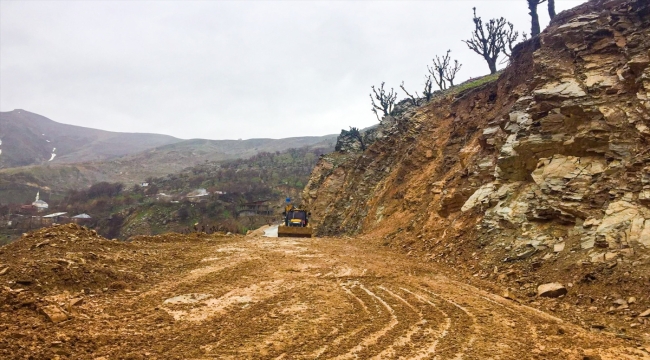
(306, 299)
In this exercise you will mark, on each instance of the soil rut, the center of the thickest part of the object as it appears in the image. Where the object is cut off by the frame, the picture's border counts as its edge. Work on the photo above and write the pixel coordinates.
(261, 298)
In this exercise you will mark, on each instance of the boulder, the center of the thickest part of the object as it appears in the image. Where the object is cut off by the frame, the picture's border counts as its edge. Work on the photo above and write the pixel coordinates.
(551, 290)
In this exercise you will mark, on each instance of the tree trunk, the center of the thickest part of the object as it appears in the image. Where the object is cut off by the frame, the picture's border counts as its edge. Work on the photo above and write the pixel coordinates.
(532, 6)
(551, 8)
(492, 63)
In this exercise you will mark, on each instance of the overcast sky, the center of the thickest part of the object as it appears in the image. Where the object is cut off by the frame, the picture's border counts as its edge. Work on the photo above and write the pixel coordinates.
(230, 69)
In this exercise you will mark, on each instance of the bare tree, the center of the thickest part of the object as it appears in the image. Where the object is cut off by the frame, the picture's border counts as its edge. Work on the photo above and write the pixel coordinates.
(428, 88)
(534, 18)
(551, 8)
(427, 91)
(438, 70)
(386, 100)
(414, 99)
(511, 37)
(490, 40)
(450, 72)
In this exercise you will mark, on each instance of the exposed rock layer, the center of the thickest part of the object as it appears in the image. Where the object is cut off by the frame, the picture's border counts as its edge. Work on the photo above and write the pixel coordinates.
(553, 155)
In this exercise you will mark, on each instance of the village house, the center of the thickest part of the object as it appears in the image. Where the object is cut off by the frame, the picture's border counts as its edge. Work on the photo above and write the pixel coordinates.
(40, 204)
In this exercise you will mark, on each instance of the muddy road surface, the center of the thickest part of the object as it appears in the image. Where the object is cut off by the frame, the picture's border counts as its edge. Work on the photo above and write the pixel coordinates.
(284, 298)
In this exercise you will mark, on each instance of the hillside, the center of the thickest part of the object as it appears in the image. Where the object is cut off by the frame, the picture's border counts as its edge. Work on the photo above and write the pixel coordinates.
(19, 184)
(264, 176)
(162, 206)
(506, 218)
(29, 139)
(173, 158)
(540, 176)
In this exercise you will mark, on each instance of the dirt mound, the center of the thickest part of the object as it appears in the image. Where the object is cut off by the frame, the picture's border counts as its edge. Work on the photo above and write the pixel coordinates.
(66, 257)
(63, 277)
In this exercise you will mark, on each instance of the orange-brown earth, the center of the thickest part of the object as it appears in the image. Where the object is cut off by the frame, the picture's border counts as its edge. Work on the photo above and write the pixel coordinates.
(68, 294)
(540, 176)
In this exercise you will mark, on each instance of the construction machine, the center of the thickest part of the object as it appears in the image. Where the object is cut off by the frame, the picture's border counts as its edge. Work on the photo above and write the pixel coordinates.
(296, 223)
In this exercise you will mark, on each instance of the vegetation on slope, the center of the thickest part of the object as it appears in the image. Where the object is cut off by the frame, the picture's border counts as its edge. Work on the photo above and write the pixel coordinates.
(164, 205)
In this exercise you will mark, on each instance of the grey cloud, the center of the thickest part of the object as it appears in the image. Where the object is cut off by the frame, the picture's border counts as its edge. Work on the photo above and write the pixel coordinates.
(227, 69)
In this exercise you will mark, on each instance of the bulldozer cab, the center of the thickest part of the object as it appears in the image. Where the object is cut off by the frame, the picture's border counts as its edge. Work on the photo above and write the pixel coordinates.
(296, 223)
(296, 218)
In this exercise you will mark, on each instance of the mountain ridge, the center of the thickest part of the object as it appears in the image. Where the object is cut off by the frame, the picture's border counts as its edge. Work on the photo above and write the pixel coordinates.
(29, 139)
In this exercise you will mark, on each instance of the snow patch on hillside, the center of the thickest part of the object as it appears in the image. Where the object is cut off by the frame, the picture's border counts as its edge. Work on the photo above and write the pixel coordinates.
(52, 158)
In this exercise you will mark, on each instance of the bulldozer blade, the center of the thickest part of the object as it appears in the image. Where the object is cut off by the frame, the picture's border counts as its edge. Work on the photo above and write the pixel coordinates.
(289, 231)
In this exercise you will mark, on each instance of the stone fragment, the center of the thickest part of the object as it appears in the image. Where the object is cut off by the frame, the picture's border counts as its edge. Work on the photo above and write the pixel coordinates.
(509, 295)
(623, 217)
(526, 254)
(631, 300)
(558, 247)
(54, 313)
(610, 256)
(591, 222)
(588, 243)
(552, 290)
(638, 63)
(43, 243)
(480, 196)
(644, 196)
(620, 302)
(645, 313)
(568, 88)
(598, 258)
(4, 271)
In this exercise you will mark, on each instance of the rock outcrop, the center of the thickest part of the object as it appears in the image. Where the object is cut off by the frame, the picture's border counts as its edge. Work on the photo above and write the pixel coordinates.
(551, 161)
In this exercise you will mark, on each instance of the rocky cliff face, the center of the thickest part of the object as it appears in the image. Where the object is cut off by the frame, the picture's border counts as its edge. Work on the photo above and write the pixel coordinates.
(551, 161)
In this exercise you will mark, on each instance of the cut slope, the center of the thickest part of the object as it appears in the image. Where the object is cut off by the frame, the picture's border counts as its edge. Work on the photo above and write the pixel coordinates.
(541, 176)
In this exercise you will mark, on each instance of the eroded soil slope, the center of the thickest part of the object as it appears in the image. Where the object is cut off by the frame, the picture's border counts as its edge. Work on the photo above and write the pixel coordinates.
(540, 176)
(218, 297)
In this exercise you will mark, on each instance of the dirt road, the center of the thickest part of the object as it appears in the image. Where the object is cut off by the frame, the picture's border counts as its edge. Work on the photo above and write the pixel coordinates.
(280, 298)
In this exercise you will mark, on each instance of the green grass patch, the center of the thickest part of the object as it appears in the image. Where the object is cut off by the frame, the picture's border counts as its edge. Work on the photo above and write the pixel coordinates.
(474, 83)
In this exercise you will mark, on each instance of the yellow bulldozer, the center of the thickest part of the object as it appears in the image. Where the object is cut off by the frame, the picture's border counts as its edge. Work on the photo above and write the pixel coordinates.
(296, 223)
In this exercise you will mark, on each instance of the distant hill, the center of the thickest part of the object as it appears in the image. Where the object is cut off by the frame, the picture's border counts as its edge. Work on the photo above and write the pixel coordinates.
(32, 139)
(85, 156)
